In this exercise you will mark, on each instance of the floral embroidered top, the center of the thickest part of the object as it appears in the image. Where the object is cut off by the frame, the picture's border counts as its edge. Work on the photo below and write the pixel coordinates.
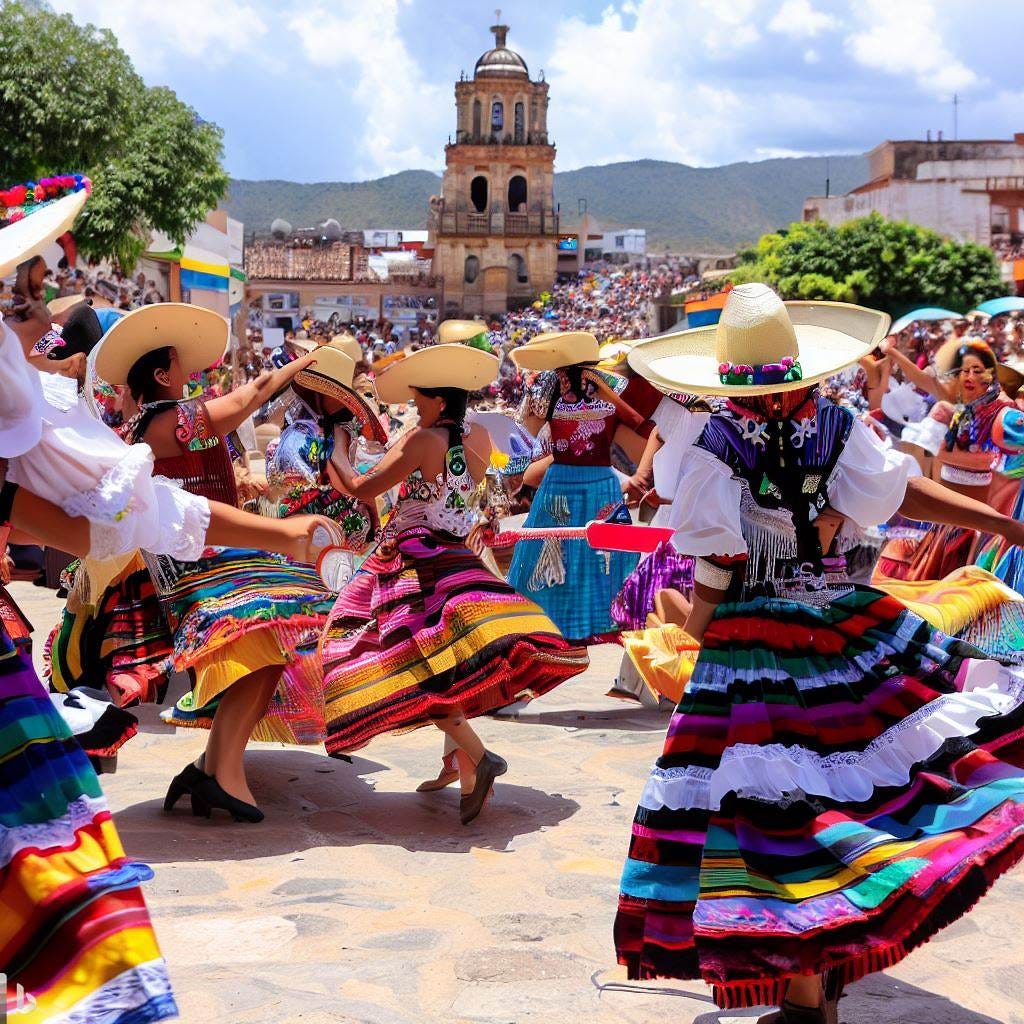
(296, 470)
(743, 484)
(582, 427)
(204, 467)
(445, 505)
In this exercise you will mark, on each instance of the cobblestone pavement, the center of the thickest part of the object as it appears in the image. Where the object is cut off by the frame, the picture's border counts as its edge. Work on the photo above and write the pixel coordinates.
(358, 900)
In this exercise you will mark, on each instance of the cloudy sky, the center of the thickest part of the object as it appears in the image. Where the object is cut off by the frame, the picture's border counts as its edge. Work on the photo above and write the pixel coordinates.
(353, 89)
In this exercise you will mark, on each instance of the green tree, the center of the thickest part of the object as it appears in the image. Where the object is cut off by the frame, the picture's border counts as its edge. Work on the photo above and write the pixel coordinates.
(891, 265)
(70, 100)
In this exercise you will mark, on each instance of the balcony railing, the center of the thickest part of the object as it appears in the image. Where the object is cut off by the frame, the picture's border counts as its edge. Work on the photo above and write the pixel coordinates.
(459, 223)
(501, 139)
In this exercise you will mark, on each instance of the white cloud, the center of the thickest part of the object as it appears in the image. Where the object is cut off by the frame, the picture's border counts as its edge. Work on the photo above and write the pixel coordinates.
(153, 34)
(811, 56)
(902, 38)
(406, 117)
(798, 19)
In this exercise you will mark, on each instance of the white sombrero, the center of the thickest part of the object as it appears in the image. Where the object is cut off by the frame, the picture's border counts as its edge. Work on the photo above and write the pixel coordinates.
(199, 336)
(332, 374)
(761, 345)
(558, 349)
(30, 236)
(438, 366)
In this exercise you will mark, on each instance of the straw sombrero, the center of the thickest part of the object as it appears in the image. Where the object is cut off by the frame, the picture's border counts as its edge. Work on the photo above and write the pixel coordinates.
(558, 349)
(347, 343)
(32, 226)
(438, 366)
(64, 303)
(332, 375)
(761, 345)
(460, 330)
(199, 336)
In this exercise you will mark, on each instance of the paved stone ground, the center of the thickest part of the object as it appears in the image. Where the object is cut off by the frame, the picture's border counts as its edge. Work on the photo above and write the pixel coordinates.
(359, 900)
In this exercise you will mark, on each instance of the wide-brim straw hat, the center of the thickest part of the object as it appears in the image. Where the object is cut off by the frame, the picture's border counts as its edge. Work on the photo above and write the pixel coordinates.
(460, 330)
(945, 354)
(332, 375)
(199, 337)
(31, 235)
(438, 366)
(758, 330)
(64, 303)
(557, 349)
(347, 343)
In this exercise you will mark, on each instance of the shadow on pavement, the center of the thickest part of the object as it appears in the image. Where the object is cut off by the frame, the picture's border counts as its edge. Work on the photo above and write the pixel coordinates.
(313, 801)
(879, 998)
(630, 718)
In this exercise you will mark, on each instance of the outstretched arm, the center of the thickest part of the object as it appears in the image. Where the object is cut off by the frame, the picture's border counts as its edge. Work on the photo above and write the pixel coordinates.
(229, 411)
(41, 521)
(405, 455)
(917, 376)
(929, 501)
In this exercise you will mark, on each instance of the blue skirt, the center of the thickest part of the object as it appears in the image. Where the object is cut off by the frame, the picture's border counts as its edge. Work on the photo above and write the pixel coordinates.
(570, 580)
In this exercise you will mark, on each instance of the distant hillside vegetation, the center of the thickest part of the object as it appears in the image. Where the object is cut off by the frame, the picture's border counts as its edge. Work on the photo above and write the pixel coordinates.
(717, 209)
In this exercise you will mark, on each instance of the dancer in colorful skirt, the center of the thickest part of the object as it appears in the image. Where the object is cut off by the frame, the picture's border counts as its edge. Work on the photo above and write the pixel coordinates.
(243, 621)
(573, 583)
(76, 942)
(839, 780)
(326, 394)
(984, 426)
(424, 633)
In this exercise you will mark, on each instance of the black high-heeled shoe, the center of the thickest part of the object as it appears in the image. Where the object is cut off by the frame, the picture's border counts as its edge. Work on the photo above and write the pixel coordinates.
(184, 782)
(488, 769)
(209, 795)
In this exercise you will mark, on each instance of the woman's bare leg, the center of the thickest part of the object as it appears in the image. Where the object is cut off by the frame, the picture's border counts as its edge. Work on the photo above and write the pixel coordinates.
(805, 991)
(241, 707)
(671, 607)
(470, 748)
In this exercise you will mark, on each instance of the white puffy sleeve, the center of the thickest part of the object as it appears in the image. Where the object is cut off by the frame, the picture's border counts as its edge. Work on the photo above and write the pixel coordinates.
(870, 479)
(705, 509)
(678, 428)
(22, 405)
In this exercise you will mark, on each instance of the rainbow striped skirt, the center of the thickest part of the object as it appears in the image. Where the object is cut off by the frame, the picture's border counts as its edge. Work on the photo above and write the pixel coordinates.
(74, 931)
(423, 629)
(838, 783)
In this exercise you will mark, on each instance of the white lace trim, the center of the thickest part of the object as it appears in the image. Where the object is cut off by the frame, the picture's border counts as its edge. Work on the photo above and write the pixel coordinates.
(129, 990)
(184, 521)
(112, 498)
(774, 772)
(44, 835)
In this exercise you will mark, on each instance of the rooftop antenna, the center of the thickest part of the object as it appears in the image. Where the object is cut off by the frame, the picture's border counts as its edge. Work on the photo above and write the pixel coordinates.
(956, 105)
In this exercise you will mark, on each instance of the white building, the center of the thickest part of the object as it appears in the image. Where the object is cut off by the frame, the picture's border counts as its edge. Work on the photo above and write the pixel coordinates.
(969, 190)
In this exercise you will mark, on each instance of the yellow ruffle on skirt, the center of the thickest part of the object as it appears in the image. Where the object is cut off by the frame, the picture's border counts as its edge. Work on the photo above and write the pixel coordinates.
(952, 603)
(215, 673)
(664, 656)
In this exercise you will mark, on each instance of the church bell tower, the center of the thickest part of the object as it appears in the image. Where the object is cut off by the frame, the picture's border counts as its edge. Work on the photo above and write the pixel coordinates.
(495, 225)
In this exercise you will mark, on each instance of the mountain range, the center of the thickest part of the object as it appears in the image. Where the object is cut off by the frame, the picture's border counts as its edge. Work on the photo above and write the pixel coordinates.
(687, 209)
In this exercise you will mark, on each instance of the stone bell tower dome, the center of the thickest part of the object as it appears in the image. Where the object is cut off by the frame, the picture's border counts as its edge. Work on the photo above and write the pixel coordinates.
(495, 225)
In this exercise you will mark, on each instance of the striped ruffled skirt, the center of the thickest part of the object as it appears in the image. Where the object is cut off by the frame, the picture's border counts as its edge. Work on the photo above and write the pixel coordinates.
(74, 932)
(837, 784)
(422, 629)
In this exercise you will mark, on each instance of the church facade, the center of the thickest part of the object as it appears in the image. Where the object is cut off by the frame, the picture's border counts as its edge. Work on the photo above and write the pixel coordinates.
(495, 226)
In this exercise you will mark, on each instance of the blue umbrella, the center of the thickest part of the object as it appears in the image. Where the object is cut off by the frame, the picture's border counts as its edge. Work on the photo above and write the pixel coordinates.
(925, 313)
(1007, 304)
